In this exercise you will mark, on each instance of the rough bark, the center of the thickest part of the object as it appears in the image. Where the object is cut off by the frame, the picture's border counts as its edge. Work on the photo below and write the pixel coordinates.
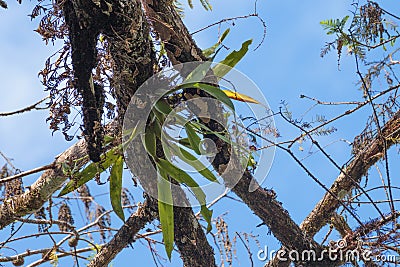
(41, 191)
(178, 42)
(84, 20)
(191, 240)
(264, 204)
(123, 24)
(126, 234)
(189, 236)
(131, 50)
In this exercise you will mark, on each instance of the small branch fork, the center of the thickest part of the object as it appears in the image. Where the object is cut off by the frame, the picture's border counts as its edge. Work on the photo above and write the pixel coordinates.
(34, 106)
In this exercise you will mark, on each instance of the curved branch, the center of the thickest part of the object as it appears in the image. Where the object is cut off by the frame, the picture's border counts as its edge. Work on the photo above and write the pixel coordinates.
(126, 234)
(60, 255)
(356, 169)
(178, 42)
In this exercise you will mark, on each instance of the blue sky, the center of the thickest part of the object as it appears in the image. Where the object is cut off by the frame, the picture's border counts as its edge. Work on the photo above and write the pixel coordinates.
(286, 65)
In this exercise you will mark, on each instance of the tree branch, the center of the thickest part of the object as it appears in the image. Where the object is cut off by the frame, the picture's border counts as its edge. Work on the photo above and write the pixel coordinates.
(41, 191)
(357, 168)
(191, 240)
(178, 42)
(25, 109)
(26, 173)
(48, 183)
(126, 234)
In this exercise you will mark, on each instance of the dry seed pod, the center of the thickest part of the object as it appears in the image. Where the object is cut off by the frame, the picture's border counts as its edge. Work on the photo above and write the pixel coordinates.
(73, 241)
(19, 261)
(64, 214)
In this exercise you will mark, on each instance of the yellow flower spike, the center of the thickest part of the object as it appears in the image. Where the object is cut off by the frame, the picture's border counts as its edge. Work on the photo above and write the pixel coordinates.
(240, 97)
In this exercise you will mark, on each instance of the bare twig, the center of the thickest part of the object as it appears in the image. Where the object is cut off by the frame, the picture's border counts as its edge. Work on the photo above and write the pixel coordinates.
(222, 21)
(384, 142)
(126, 234)
(346, 113)
(28, 108)
(247, 249)
(61, 255)
(26, 173)
(42, 221)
